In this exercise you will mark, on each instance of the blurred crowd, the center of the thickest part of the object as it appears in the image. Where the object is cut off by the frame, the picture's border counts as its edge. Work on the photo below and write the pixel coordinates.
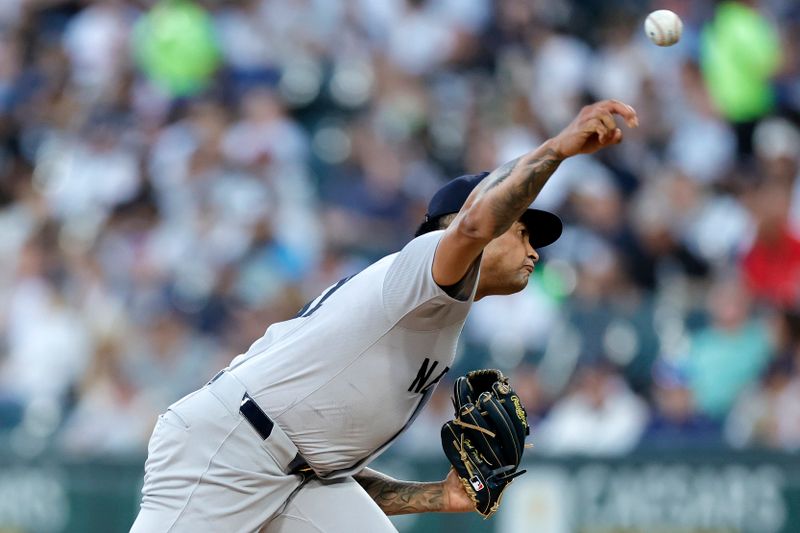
(177, 175)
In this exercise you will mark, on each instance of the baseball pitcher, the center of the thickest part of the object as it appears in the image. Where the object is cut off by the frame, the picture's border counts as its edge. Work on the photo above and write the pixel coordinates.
(279, 441)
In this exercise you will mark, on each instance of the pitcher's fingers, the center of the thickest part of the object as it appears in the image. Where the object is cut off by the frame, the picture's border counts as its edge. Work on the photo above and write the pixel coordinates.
(614, 137)
(624, 110)
(608, 121)
(596, 125)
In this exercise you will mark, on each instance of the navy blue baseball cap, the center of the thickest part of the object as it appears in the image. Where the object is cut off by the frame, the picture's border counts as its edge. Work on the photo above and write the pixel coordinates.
(543, 227)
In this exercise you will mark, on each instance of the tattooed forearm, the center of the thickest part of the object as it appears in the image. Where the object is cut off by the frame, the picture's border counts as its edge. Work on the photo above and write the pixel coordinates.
(516, 198)
(499, 174)
(401, 497)
(522, 179)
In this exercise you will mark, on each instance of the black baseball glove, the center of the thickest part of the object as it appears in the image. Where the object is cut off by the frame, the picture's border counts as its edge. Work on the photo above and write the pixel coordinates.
(485, 441)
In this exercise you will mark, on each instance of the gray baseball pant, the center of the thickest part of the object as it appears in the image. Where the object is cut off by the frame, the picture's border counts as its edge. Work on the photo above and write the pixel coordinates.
(209, 470)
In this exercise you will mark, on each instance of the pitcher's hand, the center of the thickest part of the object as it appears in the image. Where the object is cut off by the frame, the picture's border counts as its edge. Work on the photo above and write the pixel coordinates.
(594, 128)
(455, 497)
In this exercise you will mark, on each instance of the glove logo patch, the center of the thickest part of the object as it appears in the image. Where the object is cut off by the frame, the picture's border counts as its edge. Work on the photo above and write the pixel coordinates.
(476, 483)
(519, 410)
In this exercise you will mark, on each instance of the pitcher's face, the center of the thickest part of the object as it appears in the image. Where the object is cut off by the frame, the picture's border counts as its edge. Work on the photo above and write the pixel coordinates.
(507, 262)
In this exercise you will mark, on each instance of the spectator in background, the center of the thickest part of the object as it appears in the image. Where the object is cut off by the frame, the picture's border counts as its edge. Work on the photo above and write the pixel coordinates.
(771, 266)
(166, 357)
(607, 311)
(776, 143)
(729, 353)
(112, 414)
(676, 421)
(96, 41)
(703, 144)
(49, 347)
(514, 328)
(767, 413)
(662, 212)
(264, 133)
(598, 416)
(85, 174)
(739, 55)
(175, 45)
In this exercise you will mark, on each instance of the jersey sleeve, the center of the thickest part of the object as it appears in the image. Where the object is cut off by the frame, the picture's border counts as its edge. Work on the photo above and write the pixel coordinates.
(409, 283)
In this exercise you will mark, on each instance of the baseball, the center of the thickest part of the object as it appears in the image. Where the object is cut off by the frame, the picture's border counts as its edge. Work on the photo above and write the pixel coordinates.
(663, 27)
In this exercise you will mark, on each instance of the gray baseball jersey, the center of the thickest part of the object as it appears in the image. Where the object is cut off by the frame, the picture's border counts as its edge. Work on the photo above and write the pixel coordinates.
(353, 369)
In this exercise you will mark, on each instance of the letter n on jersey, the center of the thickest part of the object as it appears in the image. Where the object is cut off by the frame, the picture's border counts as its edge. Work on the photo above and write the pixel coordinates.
(421, 383)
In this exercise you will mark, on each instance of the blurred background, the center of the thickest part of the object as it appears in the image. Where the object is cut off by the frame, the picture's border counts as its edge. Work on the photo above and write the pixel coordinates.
(177, 175)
